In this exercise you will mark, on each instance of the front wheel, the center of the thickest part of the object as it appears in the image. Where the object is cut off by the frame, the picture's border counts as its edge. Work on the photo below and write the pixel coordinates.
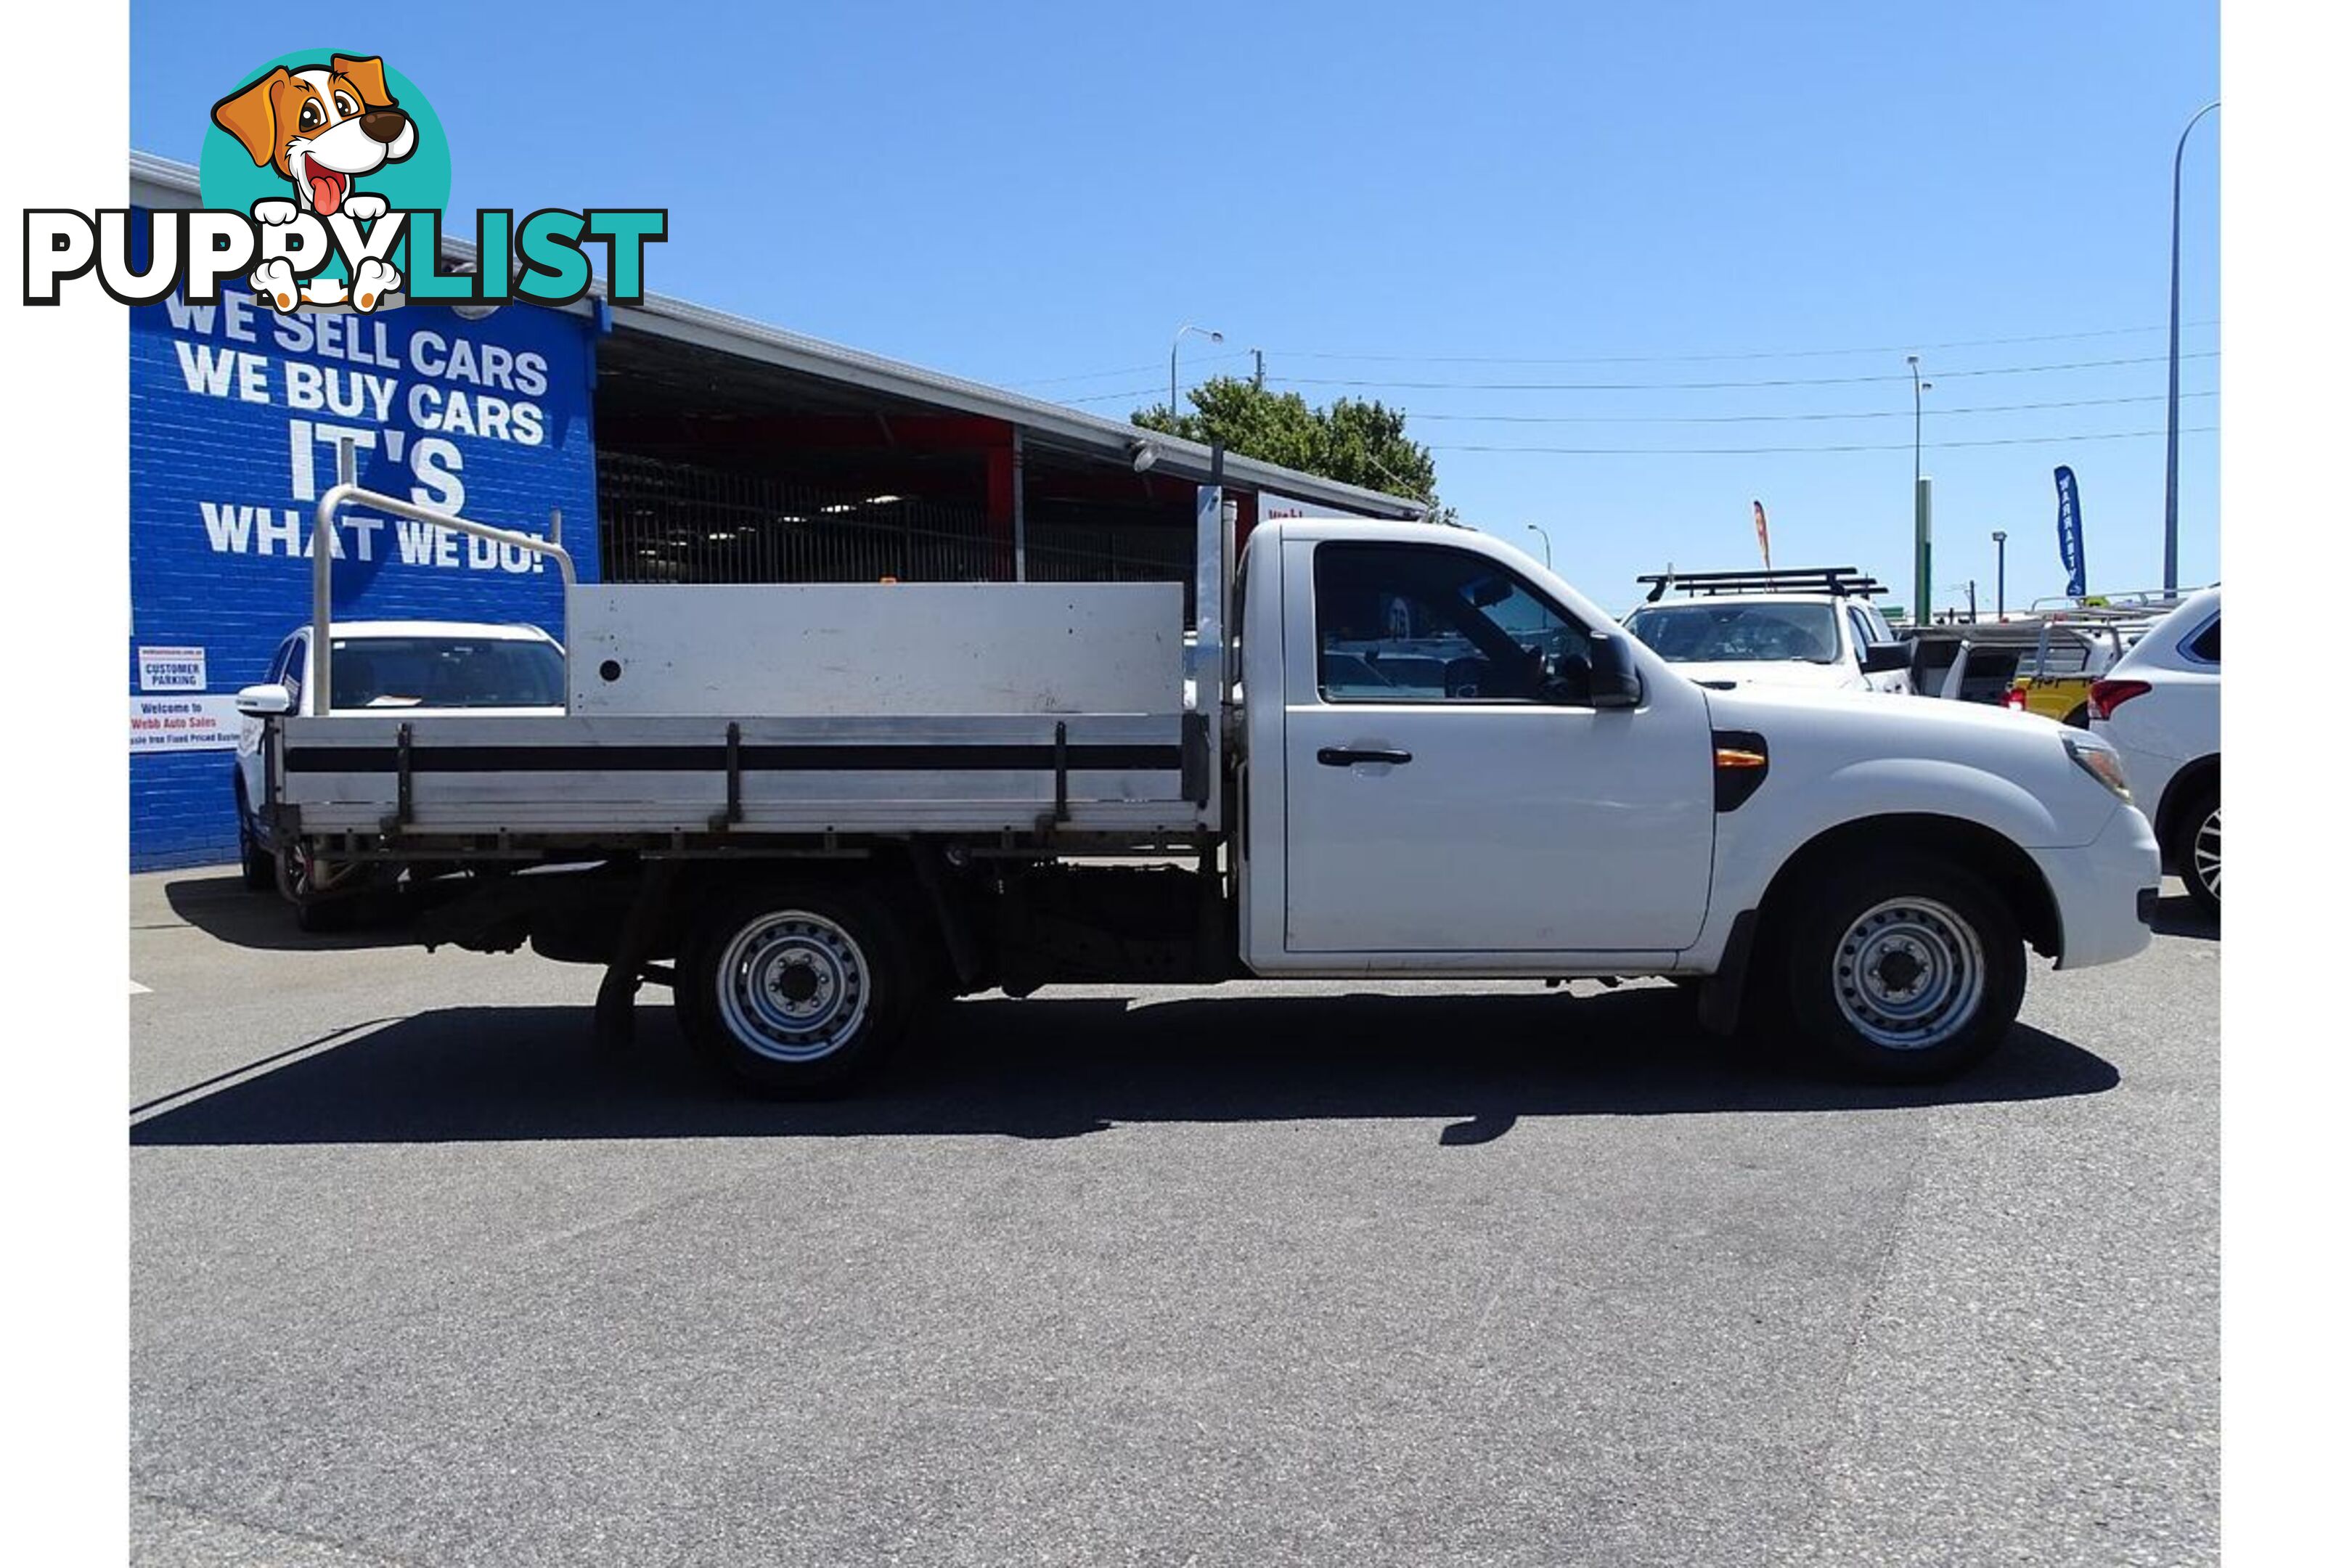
(798, 989)
(2197, 851)
(1906, 970)
(257, 865)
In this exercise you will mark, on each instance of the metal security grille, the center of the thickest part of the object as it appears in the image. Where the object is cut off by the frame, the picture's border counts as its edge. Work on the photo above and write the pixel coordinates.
(666, 521)
(679, 522)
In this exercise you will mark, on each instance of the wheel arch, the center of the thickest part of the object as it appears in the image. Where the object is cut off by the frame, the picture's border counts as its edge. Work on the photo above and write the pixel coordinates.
(1980, 850)
(2187, 783)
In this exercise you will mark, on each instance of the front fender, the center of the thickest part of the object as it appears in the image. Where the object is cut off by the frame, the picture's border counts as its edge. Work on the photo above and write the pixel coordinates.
(1755, 841)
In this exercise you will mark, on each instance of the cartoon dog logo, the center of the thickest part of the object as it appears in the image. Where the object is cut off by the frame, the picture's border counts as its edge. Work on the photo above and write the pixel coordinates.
(322, 127)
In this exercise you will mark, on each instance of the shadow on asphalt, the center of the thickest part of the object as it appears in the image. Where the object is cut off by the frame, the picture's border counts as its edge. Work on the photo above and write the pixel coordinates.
(224, 908)
(1060, 1067)
(2177, 916)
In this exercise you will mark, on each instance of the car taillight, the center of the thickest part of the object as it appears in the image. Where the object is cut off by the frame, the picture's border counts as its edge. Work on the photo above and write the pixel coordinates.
(2106, 696)
(2013, 699)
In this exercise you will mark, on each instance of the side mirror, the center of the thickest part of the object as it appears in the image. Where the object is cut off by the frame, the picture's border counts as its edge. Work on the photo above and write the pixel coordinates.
(1616, 682)
(265, 701)
(1886, 658)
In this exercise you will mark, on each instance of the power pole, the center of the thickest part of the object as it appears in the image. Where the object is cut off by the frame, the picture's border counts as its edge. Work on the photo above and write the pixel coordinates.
(1923, 536)
(1922, 507)
(1257, 380)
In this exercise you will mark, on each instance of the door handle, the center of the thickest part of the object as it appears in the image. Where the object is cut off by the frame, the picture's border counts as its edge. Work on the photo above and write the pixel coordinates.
(1349, 756)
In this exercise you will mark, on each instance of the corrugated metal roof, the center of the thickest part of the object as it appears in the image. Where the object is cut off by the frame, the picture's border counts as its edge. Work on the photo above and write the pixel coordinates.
(162, 183)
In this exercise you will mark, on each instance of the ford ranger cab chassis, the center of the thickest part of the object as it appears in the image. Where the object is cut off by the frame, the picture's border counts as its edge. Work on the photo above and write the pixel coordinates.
(1381, 750)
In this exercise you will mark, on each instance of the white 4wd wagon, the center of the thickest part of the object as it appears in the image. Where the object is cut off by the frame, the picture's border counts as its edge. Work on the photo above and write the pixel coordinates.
(2160, 707)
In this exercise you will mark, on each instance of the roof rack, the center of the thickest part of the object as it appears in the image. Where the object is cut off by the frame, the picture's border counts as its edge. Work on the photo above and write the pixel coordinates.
(2143, 600)
(1841, 581)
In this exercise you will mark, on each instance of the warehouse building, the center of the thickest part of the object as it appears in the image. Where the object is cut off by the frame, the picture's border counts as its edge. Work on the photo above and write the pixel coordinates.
(668, 443)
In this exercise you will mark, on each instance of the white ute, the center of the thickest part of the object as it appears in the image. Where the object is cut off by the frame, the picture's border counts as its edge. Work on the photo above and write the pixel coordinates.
(812, 811)
(1814, 626)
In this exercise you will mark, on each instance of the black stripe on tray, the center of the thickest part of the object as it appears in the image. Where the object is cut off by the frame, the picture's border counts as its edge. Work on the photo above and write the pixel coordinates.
(439, 759)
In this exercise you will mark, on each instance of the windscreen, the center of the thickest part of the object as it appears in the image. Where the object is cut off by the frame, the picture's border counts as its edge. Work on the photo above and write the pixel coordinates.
(446, 672)
(1708, 632)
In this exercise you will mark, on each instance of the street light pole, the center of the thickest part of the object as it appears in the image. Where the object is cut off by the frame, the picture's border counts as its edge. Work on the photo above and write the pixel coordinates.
(1920, 550)
(1181, 332)
(2172, 386)
(1999, 575)
(1539, 533)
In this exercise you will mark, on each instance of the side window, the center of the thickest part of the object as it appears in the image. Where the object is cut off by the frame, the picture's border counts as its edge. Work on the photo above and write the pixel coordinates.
(2207, 645)
(1416, 622)
(277, 662)
(1859, 624)
(1879, 630)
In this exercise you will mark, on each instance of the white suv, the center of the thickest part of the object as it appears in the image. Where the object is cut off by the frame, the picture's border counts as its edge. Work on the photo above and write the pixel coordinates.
(437, 667)
(2160, 707)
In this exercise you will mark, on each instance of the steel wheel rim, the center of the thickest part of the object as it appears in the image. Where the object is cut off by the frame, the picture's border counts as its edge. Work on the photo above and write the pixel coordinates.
(2206, 854)
(1910, 973)
(793, 987)
(307, 874)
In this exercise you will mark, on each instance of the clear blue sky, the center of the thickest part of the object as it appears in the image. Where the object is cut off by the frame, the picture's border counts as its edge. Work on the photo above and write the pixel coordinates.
(1029, 194)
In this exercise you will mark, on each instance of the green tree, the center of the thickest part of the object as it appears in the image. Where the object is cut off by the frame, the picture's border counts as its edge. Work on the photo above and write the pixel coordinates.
(1354, 441)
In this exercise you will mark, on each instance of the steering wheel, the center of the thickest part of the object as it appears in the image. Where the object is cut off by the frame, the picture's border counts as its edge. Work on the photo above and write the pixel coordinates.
(1568, 679)
(1466, 677)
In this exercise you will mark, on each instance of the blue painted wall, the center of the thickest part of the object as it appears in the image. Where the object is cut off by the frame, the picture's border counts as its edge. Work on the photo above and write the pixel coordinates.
(234, 414)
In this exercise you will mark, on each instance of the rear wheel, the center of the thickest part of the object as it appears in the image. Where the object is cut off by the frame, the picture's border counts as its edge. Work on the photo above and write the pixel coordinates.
(2197, 850)
(798, 989)
(1906, 969)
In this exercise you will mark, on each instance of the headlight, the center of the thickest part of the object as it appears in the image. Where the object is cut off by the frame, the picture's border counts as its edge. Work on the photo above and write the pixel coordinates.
(2102, 764)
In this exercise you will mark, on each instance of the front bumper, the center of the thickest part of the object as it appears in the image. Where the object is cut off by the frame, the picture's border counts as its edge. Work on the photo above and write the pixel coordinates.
(2105, 891)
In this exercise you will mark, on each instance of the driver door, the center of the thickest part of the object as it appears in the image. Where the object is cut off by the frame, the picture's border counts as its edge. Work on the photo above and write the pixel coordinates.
(1450, 787)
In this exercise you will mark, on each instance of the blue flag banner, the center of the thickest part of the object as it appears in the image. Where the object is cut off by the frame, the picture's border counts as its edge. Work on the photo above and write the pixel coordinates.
(2070, 532)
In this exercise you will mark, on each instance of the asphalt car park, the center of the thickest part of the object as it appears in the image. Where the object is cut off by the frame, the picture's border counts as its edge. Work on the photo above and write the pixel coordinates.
(1398, 1272)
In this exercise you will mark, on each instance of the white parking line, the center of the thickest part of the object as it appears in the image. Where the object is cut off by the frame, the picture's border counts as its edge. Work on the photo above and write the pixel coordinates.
(139, 990)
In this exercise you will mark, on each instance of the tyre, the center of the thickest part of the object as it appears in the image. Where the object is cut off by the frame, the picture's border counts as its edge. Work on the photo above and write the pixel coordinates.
(798, 989)
(2197, 849)
(326, 893)
(1906, 969)
(325, 916)
(258, 866)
